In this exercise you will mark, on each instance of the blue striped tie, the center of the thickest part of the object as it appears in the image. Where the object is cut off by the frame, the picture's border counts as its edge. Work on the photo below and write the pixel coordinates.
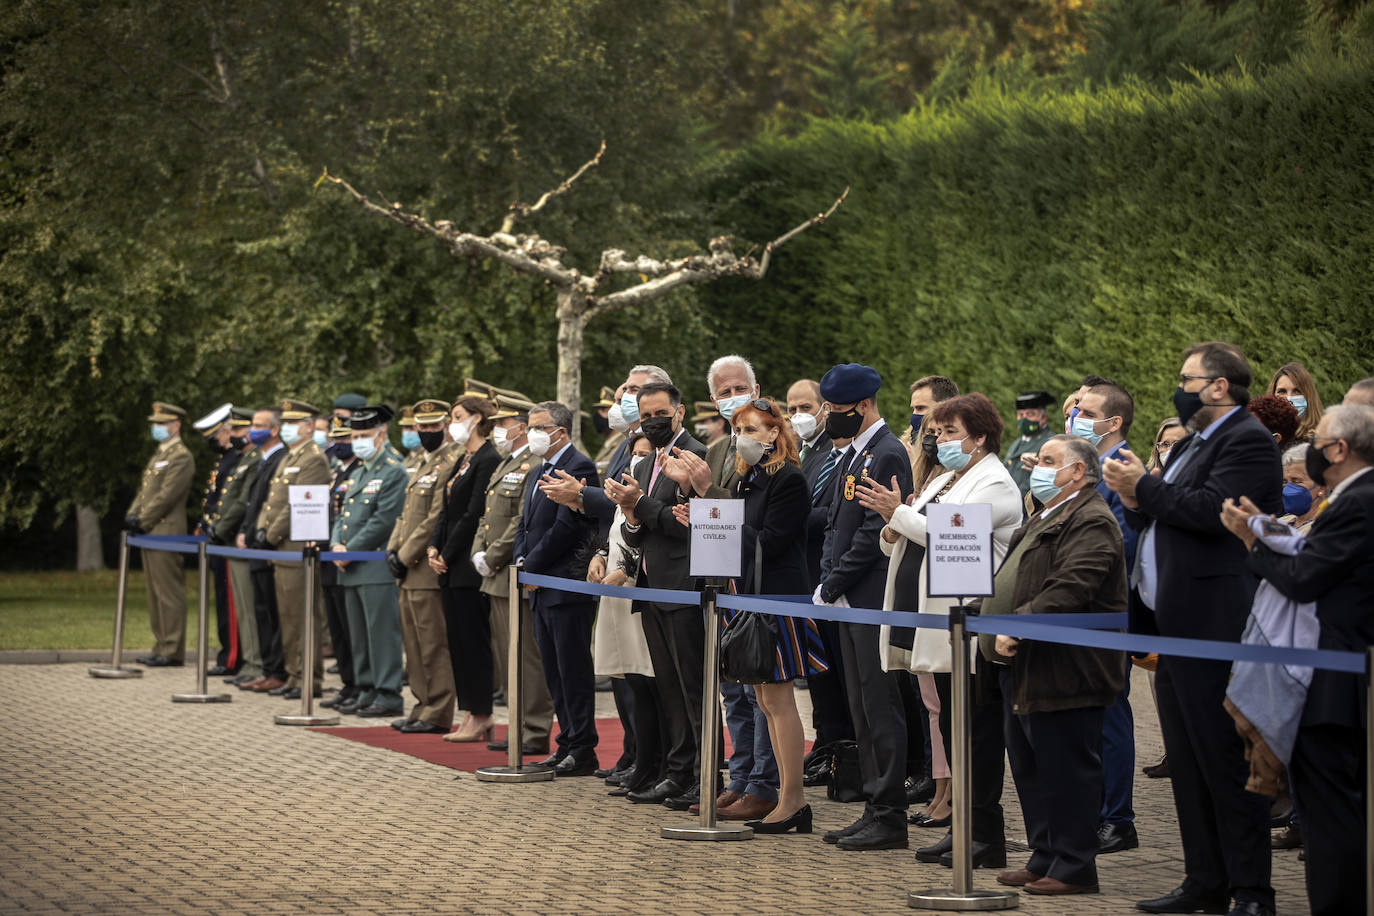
(826, 470)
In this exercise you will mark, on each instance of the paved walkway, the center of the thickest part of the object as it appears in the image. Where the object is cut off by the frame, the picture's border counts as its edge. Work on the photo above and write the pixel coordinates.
(113, 799)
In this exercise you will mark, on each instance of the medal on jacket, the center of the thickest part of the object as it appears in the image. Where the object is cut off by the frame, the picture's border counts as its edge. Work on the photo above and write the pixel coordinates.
(849, 487)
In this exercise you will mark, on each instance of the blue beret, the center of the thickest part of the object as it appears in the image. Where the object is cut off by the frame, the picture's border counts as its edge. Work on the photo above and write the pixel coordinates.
(850, 383)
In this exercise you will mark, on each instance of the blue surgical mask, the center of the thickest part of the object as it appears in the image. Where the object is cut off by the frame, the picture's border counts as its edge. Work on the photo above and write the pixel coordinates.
(364, 448)
(291, 434)
(951, 455)
(629, 409)
(1299, 404)
(1082, 427)
(728, 406)
(320, 438)
(1042, 485)
(160, 433)
(410, 440)
(1296, 499)
(259, 436)
(915, 421)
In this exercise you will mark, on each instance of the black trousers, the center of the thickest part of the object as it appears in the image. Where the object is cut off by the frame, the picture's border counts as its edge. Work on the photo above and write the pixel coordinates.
(269, 626)
(1225, 829)
(467, 615)
(647, 716)
(987, 742)
(624, 708)
(875, 705)
(564, 634)
(1328, 773)
(829, 705)
(917, 721)
(225, 626)
(677, 646)
(1056, 760)
(336, 618)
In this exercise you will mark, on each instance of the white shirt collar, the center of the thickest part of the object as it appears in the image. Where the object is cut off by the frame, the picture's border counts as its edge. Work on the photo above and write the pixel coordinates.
(1051, 510)
(862, 439)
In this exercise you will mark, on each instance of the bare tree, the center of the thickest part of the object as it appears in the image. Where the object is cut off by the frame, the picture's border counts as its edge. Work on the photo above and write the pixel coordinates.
(582, 297)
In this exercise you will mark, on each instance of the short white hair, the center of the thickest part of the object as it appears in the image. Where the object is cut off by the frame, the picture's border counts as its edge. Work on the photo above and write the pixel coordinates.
(734, 360)
(1296, 454)
(1355, 424)
(655, 374)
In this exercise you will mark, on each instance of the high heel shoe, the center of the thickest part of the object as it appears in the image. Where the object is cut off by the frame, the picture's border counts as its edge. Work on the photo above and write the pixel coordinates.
(486, 734)
(799, 819)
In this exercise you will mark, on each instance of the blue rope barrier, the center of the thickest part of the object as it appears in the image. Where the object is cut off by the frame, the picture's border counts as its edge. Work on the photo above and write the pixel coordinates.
(661, 595)
(174, 538)
(788, 608)
(162, 543)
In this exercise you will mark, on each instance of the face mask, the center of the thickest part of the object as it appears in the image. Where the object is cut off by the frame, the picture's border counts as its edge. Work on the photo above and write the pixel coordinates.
(259, 436)
(658, 430)
(1083, 429)
(238, 442)
(1027, 427)
(803, 424)
(290, 434)
(216, 447)
(615, 419)
(431, 440)
(951, 454)
(539, 442)
(915, 421)
(1164, 455)
(700, 431)
(635, 462)
(343, 451)
(364, 448)
(1296, 499)
(1300, 405)
(460, 432)
(160, 433)
(929, 446)
(728, 406)
(629, 410)
(410, 440)
(1042, 485)
(844, 425)
(1317, 464)
(500, 440)
(1186, 404)
(320, 438)
(601, 424)
(750, 449)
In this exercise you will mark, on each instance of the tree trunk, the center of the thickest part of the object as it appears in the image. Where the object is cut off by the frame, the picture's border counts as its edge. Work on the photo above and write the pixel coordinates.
(570, 327)
(89, 555)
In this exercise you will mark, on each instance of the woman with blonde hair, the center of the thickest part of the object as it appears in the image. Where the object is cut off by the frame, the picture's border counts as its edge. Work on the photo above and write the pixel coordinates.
(1294, 382)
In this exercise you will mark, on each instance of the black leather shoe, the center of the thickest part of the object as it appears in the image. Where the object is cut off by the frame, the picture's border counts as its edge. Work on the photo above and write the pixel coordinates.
(919, 791)
(818, 775)
(1289, 838)
(931, 854)
(218, 671)
(1180, 900)
(1116, 838)
(343, 696)
(875, 836)
(658, 793)
(684, 801)
(279, 691)
(985, 855)
(417, 727)
(378, 711)
(294, 693)
(549, 762)
(160, 661)
(834, 836)
(605, 773)
(1251, 908)
(571, 766)
(401, 723)
(348, 707)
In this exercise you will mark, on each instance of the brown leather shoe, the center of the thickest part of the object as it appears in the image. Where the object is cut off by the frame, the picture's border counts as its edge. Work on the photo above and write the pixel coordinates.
(250, 685)
(269, 683)
(723, 800)
(1019, 878)
(746, 808)
(1054, 887)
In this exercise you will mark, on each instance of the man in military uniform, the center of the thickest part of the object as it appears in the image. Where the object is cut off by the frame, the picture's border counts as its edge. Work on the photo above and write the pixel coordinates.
(376, 493)
(160, 508)
(303, 465)
(216, 429)
(335, 605)
(491, 556)
(429, 671)
(601, 420)
(708, 426)
(410, 443)
(1033, 427)
(224, 528)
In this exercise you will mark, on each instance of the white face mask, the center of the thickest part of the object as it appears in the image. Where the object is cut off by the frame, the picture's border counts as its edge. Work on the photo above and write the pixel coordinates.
(539, 442)
(459, 432)
(804, 424)
(750, 449)
(616, 418)
(635, 462)
(498, 439)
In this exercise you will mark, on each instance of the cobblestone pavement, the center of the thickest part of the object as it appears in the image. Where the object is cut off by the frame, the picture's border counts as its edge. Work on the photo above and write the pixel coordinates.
(113, 799)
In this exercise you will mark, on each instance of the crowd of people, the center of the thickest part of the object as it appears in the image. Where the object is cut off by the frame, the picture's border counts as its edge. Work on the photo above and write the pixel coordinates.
(1179, 537)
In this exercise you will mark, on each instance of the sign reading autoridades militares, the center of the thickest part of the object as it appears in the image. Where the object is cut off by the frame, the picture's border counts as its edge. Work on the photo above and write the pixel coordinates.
(958, 550)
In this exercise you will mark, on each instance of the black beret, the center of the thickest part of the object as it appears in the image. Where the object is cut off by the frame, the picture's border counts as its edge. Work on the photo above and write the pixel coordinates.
(370, 417)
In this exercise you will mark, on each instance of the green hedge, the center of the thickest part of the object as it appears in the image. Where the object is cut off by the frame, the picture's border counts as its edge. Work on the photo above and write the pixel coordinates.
(1022, 239)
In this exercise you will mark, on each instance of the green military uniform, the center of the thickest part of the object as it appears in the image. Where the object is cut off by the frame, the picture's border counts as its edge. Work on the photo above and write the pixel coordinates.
(424, 634)
(495, 539)
(303, 465)
(376, 493)
(160, 508)
(1029, 441)
(613, 438)
(233, 504)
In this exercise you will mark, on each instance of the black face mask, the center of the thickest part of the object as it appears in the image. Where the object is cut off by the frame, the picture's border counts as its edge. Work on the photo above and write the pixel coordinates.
(430, 441)
(238, 442)
(343, 451)
(217, 447)
(1317, 464)
(844, 425)
(929, 446)
(658, 430)
(601, 424)
(1186, 404)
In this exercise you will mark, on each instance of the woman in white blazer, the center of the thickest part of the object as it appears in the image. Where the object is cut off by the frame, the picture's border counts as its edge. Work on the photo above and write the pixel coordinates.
(969, 442)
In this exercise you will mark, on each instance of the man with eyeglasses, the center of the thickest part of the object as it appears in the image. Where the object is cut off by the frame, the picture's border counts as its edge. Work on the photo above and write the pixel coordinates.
(1192, 575)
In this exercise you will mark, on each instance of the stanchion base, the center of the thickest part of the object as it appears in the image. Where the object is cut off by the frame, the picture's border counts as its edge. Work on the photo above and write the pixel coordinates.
(708, 834)
(950, 900)
(297, 719)
(114, 673)
(201, 698)
(514, 774)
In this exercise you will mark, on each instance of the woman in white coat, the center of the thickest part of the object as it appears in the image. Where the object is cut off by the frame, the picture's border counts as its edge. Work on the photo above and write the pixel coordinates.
(969, 441)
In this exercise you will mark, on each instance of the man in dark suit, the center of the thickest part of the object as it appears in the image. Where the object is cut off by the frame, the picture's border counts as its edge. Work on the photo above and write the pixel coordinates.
(1193, 576)
(548, 542)
(1333, 570)
(675, 632)
(265, 433)
(854, 572)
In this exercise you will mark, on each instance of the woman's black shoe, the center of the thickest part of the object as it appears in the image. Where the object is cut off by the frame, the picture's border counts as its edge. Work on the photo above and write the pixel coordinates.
(925, 820)
(800, 821)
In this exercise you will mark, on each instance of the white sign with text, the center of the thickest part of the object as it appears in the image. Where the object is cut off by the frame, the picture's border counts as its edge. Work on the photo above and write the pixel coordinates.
(717, 537)
(959, 560)
(309, 512)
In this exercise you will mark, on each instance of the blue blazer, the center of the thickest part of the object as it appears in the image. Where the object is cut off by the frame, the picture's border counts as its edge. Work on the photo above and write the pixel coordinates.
(550, 536)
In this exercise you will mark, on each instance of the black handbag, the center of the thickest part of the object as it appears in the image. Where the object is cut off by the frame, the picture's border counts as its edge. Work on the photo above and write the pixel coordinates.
(749, 645)
(846, 780)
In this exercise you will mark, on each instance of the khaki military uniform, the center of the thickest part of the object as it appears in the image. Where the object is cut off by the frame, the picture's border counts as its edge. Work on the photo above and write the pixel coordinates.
(301, 466)
(603, 457)
(496, 535)
(412, 461)
(1022, 445)
(233, 504)
(161, 509)
(424, 635)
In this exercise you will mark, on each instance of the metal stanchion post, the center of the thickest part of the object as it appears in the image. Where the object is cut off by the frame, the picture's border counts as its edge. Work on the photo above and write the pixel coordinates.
(962, 896)
(310, 558)
(114, 670)
(202, 636)
(708, 829)
(515, 770)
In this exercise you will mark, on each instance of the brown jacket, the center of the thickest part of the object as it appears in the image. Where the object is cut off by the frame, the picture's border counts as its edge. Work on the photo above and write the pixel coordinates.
(420, 513)
(303, 465)
(161, 501)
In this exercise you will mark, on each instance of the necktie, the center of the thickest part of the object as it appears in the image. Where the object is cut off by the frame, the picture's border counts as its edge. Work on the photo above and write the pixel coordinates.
(826, 470)
(1321, 506)
(653, 475)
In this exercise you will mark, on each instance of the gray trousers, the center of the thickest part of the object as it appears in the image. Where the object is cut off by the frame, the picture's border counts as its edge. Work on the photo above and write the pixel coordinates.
(374, 630)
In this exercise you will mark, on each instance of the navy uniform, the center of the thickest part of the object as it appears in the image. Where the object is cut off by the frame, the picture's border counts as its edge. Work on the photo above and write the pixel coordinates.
(376, 492)
(233, 505)
(1031, 436)
(211, 425)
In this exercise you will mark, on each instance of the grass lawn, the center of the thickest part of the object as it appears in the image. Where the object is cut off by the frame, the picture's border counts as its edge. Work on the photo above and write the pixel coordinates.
(71, 610)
